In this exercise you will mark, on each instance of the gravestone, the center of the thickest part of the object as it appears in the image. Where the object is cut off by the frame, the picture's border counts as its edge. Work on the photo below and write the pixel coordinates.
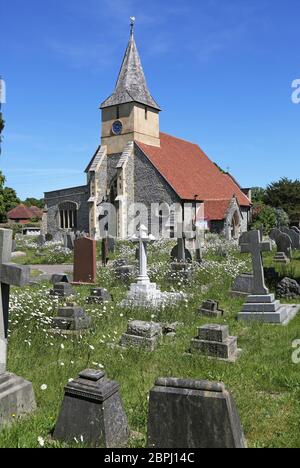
(192, 414)
(210, 308)
(62, 290)
(16, 394)
(213, 341)
(92, 412)
(143, 293)
(281, 257)
(144, 335)
(180, 253)
(85, 261)
(262, 306)
(296, 229)
(71, 318)
(181, 262)
(295, 238)
(274, 234)
(284, 244)
(69, 239)
(60, 279)
(99, 296)
(243, 285)
(41, 240)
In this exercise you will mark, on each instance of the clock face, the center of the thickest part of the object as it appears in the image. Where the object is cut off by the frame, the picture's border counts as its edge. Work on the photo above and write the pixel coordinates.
(117, 127)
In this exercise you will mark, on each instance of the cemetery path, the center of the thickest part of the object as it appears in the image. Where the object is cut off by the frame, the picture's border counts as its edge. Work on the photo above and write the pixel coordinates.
(53, 269)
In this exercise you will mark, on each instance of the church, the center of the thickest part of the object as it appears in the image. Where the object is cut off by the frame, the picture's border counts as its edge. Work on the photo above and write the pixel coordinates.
(136, 163)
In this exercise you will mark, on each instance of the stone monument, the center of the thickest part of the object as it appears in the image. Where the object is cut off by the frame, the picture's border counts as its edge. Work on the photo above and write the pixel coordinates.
(85, 261)
(92, 412)
(193, 414)
(16, 394)
(181, 261)
(262, 306)
(62, 290)
(71, 318)
(99, 296)
(210, 308)
(144, 335)
(213, 341)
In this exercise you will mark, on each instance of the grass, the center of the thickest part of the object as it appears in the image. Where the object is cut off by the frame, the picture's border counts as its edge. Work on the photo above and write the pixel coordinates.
(264, 381)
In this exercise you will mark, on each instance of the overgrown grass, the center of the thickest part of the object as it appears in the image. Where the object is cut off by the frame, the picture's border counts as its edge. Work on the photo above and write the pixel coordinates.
(264, 381)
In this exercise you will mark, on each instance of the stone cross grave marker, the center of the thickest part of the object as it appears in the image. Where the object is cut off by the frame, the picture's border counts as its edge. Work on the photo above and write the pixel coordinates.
(251, 242)
(143, 239)
(85, 261)
(16, 394)
(10, 275)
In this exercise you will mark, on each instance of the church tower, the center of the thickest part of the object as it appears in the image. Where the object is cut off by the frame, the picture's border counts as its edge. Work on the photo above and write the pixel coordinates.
(130, 113)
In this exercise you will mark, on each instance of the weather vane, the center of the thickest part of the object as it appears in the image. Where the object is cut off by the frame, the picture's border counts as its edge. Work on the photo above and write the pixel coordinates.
(132, 23)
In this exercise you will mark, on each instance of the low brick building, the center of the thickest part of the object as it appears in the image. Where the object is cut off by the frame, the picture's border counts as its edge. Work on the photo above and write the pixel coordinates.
(137, 163)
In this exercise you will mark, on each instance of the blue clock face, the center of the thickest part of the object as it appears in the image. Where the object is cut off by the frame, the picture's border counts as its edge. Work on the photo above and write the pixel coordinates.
(117, 127)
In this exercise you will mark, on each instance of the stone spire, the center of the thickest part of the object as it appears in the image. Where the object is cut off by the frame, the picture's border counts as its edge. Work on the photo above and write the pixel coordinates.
(131, 84)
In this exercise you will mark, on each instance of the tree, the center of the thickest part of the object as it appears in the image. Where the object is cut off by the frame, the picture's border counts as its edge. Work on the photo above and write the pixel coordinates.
(264, 216)
(258, 194)
(35, 202)
(8, 199)
(285, 194)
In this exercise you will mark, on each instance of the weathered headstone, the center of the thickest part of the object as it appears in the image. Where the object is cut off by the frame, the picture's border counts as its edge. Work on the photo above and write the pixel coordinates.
(181, 262)
(274, 234)
(62, 290)
(180, 253)
(284, 244)
(193, 414)
(294, 236)
(210, 308)
(144, 335)
(99, 296)
(56, 278)
(71, 318)
(41, 240)
(69, 239)
(296, 229)
(92, 412)
(16, 394)
(85, 261)
(262, 306)
(243, 285)
(214, 341)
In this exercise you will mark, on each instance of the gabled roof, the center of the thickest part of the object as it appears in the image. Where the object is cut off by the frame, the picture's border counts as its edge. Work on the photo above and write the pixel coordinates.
(131, 84)
(37, 212)
(20, 212)
(217, 210)
(191, 174)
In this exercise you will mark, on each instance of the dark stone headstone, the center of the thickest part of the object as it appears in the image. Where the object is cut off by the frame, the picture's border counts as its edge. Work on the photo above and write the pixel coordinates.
(85, 261)
(72, 318)
(214, 341)
(210, 308)
(99, 296)
(193, 414)
(284, 244)
(60, 279)
(143, 335)
(176, 254)
(92, 412)
(62, 290)
(243, 285)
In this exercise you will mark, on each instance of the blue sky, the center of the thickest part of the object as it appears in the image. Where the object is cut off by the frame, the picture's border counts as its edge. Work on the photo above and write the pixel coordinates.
(221, 71)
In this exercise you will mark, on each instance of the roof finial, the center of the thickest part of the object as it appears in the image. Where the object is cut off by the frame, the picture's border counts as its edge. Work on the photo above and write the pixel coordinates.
(132, 23)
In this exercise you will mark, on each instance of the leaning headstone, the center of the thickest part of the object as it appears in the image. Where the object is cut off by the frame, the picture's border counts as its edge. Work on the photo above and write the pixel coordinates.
(213, 341)
(193, 414)
(92, 412)
(243, 285)
(71, 318)
(62, 290)
(210, 308)
(262, 306)
(284, 244)
(294, 236)
(85, 261)
(99, 296)
(144, 335)
(274, 234)
(16, 394)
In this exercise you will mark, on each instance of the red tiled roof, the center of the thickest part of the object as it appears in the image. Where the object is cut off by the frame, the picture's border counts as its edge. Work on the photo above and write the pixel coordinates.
(37, 212)
(191, 173)
(216, 210)
(20, 212)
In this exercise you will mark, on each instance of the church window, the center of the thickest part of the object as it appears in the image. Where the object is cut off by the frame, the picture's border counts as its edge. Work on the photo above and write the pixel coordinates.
(118, 112)
(68, 215)
(146, 113)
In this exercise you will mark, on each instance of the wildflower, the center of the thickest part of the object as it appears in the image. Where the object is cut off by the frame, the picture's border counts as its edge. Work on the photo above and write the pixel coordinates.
(44, 387)
(41, 442)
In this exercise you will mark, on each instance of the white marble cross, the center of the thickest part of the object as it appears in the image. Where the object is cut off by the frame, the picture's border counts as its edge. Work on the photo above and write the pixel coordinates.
(251, 242)
(143, 239)
(10, 275)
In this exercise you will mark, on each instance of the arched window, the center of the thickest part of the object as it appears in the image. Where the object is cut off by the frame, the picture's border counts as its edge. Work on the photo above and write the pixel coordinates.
(68, 215)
